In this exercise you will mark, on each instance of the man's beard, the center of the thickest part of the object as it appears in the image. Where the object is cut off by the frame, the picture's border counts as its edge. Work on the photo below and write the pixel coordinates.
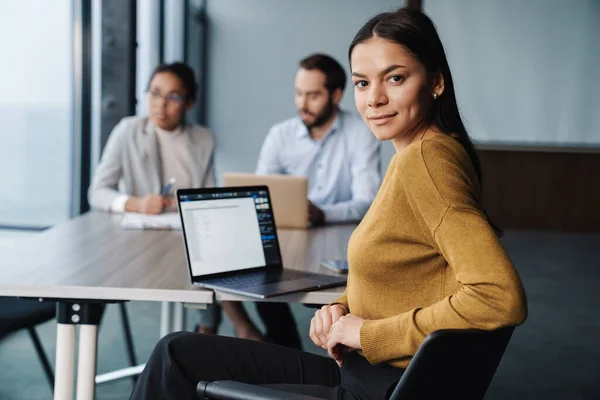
(322, 117)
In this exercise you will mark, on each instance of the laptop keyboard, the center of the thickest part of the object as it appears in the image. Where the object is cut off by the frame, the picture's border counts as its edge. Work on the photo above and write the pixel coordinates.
(259, 278)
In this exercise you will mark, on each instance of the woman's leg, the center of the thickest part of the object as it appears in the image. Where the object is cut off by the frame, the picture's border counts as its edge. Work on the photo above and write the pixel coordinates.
(210, 319)
(277, 317)
(180, 360)
(243, 325)
(279, 323)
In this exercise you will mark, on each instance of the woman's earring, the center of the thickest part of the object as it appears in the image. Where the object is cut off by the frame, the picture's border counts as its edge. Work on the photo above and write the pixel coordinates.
(435, 96)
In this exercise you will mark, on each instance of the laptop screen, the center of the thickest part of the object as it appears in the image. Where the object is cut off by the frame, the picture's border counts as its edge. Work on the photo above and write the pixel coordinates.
(228, 229)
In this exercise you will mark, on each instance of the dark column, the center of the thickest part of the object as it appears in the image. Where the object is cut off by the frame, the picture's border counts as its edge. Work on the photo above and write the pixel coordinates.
(196, 53)
(82, 101)
(118, 64)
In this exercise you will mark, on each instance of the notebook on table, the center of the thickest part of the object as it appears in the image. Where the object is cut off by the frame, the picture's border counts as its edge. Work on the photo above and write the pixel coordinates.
(135, 221)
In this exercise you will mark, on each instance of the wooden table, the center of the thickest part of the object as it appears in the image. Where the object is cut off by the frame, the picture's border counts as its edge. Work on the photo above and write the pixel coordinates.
(90, 260)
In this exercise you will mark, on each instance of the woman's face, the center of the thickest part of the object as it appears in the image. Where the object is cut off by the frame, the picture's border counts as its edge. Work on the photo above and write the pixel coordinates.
(391, 89)
(167, 100)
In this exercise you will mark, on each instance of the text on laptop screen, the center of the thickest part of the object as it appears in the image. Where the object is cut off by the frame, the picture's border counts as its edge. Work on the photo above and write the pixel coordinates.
(229, 231)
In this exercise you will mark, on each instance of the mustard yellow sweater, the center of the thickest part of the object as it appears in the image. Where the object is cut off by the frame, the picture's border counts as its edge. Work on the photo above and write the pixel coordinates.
(425, 257)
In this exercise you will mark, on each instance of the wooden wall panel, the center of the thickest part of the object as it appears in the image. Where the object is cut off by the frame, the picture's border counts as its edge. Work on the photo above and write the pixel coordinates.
(529, 189)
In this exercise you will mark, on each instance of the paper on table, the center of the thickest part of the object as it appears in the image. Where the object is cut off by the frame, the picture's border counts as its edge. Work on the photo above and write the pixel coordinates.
(143, 221)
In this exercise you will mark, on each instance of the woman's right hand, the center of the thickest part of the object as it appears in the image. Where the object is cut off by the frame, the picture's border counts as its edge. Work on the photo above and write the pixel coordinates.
(320, 325)
(150, 204)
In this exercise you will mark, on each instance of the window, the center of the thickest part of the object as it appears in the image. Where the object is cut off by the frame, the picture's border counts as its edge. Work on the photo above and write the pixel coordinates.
(35, 112)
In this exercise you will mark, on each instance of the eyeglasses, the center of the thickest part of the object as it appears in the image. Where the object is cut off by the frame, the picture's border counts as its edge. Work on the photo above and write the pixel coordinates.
(171, 98)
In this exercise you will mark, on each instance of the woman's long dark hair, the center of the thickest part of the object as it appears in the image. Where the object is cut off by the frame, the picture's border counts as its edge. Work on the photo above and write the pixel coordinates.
(416, 32)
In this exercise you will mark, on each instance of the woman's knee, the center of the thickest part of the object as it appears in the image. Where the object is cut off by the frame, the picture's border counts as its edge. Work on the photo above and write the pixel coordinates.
(181, 346)
(164, 348)
(174, 337)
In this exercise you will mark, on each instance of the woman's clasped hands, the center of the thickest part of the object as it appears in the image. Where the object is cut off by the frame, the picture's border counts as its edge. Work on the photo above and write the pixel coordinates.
(335, 329)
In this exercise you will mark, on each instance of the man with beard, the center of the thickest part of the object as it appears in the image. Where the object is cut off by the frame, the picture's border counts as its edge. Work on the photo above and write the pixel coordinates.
(341, 159)
(332, 147)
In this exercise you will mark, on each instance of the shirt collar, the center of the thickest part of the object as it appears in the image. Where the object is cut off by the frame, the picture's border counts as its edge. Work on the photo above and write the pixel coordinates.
(336, 126)
(167, 134)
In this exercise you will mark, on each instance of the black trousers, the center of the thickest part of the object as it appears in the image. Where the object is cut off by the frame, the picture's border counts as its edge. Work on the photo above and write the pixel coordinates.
(279, 324)
(181, 360)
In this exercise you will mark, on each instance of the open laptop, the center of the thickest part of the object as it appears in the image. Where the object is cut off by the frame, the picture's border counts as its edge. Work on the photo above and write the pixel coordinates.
(289, 194)
(231, 244)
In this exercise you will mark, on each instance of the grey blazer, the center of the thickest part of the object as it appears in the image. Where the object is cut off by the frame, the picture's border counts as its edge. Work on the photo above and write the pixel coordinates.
(130, 162)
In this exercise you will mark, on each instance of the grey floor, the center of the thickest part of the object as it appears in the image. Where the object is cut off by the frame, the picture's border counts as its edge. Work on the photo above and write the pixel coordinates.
(555, 355)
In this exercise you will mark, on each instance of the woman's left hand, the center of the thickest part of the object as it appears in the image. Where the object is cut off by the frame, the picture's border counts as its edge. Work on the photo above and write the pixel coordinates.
(345, 333)
(171, 203)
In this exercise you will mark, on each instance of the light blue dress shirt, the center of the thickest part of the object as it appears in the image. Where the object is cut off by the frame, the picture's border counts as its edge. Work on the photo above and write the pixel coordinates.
(342, 168)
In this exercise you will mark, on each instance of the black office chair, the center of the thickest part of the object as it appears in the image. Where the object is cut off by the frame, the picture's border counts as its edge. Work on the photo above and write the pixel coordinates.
(450, 364)
(17, 313)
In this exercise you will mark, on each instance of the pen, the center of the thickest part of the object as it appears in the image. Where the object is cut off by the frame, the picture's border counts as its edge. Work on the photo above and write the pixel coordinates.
(168, 187)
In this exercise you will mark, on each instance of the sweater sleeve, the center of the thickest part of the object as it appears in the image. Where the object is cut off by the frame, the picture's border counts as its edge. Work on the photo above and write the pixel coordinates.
(343, 300)
(440, 190)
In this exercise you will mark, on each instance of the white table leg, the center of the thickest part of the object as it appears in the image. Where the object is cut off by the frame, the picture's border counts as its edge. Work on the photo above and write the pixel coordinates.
(86, 370)
(65, 362)
(165, 318)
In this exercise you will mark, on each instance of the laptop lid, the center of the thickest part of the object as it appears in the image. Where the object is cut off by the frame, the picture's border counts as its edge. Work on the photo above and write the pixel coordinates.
(289, 195)
(228, 230)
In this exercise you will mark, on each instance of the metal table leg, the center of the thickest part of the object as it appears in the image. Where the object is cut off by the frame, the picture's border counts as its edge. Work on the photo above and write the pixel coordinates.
(179, 318)
(165, 318)
(172, 319)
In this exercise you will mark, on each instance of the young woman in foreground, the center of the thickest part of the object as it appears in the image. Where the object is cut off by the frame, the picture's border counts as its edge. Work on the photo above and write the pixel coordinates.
(424, 257)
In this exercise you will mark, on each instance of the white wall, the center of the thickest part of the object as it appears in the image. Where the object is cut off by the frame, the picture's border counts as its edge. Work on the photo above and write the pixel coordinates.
(255, 47)
(525, 71)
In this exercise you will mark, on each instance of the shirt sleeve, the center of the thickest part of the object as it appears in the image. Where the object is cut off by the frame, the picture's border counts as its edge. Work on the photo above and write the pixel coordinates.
(118, 204)
(268, 159)
(366, 178)
(490, 294)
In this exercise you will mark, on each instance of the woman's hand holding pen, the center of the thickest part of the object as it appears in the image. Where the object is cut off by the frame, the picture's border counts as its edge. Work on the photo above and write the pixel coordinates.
(153, 203)
(150, 204)
(169, 201)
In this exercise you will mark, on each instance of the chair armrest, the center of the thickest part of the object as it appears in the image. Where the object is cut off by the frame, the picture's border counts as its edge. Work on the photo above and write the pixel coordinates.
(231, 390)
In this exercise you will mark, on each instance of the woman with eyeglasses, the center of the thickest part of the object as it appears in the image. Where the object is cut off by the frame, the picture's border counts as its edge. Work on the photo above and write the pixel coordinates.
(147, 158)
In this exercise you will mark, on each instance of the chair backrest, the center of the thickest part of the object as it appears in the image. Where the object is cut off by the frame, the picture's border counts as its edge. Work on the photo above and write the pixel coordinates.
(453, 364)
(17, 314)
